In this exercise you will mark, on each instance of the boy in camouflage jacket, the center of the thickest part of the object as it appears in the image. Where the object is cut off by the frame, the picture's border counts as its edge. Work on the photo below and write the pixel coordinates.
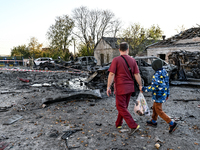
(160, 93)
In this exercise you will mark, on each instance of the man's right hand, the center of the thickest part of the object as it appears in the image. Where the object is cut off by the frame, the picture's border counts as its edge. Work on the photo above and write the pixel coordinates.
(140, 88)
(111, 77)
(108, 91)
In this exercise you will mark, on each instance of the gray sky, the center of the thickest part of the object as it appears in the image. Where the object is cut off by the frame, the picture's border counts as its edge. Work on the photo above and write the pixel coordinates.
(22, 19)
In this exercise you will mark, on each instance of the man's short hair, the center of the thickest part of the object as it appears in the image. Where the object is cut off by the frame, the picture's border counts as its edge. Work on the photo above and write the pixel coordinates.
(123, 46)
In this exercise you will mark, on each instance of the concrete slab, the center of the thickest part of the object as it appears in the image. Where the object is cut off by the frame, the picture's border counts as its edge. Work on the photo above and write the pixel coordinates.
(76, 95)
(12, 119)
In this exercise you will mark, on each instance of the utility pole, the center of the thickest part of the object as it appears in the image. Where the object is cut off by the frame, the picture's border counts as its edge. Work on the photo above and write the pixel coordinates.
(74, 47)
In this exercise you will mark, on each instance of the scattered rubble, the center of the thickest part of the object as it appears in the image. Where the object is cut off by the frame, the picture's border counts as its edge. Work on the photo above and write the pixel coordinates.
(24, 80)
(73, 96)
(3, 145)
(98, 78)
(188, 67)
(2, 109)
(54, 102)
(12, 119)
(189, 61)
(157, 145)
(67, 135)
(187, 100)
(83, 63)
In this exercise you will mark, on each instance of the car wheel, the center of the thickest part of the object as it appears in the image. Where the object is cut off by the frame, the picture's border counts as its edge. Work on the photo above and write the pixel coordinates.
(142, 80)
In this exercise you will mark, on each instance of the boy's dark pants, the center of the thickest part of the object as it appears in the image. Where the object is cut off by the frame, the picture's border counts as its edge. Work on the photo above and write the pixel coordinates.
(157, 110)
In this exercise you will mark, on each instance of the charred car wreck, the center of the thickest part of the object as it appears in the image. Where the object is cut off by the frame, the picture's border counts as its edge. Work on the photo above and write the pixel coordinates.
(188, 67)
(146, 71)
(79, 63)
(99, 77)
(182, 67)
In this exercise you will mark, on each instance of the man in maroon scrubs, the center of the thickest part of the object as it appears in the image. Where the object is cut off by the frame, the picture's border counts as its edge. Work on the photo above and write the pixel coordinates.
(124, 86)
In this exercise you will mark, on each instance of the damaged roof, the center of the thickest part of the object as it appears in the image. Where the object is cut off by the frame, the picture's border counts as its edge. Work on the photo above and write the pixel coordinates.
(190, 36)
(114, 42)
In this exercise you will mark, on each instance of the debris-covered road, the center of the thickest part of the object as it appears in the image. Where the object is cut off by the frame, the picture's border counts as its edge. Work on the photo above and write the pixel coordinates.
(28, 122)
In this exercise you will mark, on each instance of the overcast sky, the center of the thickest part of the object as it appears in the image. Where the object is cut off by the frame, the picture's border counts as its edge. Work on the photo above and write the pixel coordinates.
(22, 19)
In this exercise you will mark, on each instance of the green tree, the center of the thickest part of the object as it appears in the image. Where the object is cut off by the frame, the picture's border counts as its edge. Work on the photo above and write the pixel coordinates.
(21, 51)
(59, 35)
(67, 55)
(35, 48)
(84, 51)
(44, 54)
(138, 37)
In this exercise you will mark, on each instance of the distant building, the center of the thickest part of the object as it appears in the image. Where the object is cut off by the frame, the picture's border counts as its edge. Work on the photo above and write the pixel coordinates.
(188, 40)
(106, 49)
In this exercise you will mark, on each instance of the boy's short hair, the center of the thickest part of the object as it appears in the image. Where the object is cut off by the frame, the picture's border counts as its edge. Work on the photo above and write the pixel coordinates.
(123, 46)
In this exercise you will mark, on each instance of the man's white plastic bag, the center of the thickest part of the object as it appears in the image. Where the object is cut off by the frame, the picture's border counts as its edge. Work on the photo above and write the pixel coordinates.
(141, 108)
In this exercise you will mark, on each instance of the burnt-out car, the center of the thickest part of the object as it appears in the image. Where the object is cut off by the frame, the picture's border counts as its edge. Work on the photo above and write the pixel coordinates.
(86, 60)
(99, 76)
(146, 71)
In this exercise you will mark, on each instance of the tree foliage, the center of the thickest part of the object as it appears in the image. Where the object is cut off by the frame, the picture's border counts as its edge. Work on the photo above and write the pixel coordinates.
(83, 51)
(92, 25)
(35, 48)
(59, 35)
(138, 37)
(21, 51)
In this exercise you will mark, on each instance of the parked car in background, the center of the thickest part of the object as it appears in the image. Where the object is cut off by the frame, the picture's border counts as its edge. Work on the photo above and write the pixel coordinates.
(40, 60)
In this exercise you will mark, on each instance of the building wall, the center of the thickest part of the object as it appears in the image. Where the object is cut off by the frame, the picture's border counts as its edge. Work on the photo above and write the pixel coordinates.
(107, 50)
(167, 50)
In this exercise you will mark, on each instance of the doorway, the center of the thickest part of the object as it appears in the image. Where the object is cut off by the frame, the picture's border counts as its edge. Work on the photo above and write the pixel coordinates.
(102, 59)
(162, 56)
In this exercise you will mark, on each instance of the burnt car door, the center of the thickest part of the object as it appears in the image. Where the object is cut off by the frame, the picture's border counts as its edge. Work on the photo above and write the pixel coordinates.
(84, 61)
(91, 61)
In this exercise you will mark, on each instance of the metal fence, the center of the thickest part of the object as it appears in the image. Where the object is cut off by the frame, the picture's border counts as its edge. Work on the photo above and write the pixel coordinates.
(8, 61)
